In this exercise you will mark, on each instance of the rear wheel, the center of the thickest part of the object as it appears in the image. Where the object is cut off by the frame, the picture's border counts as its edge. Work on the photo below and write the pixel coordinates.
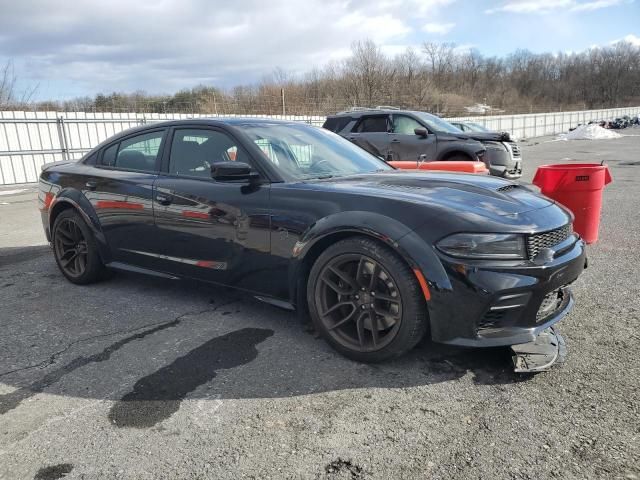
(75, 249)
(365, 301)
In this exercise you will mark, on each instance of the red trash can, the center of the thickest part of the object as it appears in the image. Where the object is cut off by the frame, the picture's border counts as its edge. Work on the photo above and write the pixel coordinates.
(577, 186)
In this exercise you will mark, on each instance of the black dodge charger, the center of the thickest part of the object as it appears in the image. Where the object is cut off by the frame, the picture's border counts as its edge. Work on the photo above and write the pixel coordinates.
(302, 218)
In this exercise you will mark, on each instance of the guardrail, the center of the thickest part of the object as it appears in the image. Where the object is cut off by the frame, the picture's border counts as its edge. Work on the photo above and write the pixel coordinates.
(30, 139)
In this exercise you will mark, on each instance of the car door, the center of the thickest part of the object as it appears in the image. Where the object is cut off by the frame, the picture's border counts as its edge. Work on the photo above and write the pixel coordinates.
(371, 132)
(404, 144)
(120, 189)
(214, 231)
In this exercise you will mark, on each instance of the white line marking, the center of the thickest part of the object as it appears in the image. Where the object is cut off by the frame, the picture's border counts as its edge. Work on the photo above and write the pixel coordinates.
(12, 192)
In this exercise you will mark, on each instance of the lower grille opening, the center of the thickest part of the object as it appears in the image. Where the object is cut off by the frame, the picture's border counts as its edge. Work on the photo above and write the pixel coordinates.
(550, 304)
(491, 319)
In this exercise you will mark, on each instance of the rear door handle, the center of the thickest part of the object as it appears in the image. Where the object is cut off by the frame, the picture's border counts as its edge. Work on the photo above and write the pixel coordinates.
(91, 184)
(164, 199)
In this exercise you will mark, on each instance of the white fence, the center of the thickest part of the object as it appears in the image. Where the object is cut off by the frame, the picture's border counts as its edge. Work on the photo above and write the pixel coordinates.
(533, 125)
(30, 139)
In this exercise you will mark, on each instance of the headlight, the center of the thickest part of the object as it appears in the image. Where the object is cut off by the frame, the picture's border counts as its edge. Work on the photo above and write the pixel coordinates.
(484, 245)
(494, 145)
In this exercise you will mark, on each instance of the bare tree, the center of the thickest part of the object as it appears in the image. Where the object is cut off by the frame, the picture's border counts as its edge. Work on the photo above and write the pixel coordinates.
(440, 60)
(438, 78)
(9, 96)
(368, 71)
(7, 84)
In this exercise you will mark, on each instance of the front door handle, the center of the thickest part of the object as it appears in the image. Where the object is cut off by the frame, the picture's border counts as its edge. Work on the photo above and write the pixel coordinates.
(395, 140)
(91, 184)
(164, 199)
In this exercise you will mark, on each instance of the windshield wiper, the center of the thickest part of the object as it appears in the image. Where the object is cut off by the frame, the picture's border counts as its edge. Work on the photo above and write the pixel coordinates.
(324, 176)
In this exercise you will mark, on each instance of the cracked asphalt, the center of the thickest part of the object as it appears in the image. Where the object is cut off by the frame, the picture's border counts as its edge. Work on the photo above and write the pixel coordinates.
(145, 378)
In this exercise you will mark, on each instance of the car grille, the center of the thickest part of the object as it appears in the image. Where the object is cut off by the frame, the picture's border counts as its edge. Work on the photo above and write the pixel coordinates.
(515, 149)
(538, 241)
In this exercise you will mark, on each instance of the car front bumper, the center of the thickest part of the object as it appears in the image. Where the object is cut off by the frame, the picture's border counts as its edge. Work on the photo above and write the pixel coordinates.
(502, 163)
(494, 305)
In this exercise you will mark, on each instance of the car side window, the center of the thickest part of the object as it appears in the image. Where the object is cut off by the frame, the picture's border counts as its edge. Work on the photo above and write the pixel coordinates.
(194, 150)
(404, 125)
(371, 124)
(139, 152)
(109, 155)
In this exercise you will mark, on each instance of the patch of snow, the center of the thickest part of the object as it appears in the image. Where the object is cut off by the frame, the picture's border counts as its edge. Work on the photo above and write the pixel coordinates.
(589, 132)
(482, 109)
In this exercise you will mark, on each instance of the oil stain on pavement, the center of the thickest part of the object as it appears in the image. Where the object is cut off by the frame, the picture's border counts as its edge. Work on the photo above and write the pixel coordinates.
(54, 472)
(157, 396)
(11, 400)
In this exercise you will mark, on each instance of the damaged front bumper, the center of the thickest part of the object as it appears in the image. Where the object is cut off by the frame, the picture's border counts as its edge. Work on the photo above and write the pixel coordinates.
(547, 350)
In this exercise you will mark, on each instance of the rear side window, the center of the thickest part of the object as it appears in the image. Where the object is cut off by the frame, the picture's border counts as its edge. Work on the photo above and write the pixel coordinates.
(109, 156)
(336, 124)
(373, 124)
(139, 152)
(91, 159)
(134, 153)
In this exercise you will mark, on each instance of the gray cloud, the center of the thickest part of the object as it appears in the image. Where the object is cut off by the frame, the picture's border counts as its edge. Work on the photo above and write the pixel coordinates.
(162, 45)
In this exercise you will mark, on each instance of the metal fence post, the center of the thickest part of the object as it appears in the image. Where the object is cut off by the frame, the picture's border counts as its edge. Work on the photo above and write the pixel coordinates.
(62, 137)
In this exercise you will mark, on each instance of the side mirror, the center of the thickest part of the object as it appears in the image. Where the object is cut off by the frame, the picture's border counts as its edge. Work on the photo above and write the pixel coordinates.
(232, 171)
(421, 132)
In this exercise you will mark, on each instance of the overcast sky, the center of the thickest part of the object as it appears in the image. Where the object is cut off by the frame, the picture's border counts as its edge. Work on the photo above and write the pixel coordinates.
(76, 47)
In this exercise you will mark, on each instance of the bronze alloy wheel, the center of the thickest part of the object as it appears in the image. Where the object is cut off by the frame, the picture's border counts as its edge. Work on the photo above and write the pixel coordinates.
(70, 247)
(358, 302)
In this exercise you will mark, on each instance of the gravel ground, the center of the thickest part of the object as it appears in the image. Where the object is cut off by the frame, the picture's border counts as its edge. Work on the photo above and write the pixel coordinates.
(142, 378)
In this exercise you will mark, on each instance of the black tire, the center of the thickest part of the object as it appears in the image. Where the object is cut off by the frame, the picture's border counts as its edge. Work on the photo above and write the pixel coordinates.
(459, 157)
(75, 250)
(366, 326)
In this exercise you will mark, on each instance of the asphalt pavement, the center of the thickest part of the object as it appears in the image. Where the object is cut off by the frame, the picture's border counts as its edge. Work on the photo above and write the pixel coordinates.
(144, 378)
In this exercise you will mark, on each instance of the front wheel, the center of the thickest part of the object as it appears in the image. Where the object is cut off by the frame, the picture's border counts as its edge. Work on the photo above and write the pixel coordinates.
(365, 300)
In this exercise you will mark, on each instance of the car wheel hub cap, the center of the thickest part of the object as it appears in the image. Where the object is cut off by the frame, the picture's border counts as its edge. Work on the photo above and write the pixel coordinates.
(358, 302)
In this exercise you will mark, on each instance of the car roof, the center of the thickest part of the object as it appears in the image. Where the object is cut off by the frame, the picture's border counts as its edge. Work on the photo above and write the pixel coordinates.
(204, 121)
(224, 120)
(376, 111)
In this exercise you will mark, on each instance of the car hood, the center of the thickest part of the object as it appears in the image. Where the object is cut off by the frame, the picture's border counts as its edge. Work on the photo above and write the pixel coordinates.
(481, 195)
(477, 136)
(448, 137)
(490, 136)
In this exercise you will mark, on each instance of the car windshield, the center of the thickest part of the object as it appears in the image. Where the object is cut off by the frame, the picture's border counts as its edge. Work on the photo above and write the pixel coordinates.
(304, 152)
(476, 127)
(437, 124)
